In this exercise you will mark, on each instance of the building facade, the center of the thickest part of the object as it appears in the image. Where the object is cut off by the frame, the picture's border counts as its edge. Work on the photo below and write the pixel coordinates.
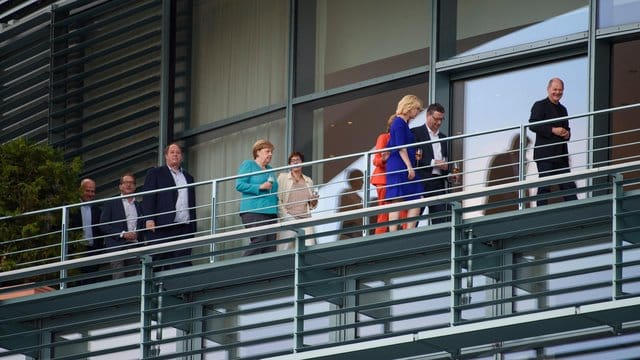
(319, 77)
(114, 82)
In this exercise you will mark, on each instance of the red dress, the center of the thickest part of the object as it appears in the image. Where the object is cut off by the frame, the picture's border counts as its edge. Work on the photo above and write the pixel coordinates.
(379, 180)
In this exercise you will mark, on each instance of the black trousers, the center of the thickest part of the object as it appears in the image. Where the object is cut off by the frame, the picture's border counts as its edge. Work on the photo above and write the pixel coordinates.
(548, 168)
(167, 234)
(90, 269)
(435, 187)
(255, 219)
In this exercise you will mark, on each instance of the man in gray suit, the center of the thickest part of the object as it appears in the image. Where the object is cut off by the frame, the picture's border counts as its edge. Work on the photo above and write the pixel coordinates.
(121, 222)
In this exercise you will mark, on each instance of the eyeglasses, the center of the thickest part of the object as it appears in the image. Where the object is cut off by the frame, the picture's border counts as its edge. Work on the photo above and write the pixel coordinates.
(127, 182)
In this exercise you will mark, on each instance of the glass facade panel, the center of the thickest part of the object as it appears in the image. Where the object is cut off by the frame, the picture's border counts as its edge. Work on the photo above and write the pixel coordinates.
(340, 42)
(238, 64)
(625, 90)
(219, 154)
(618, 12)
(347, 127)
(107, 336)
(521, 22)
(276, 337)
(512, 94)
(343, 128)
(234, 74)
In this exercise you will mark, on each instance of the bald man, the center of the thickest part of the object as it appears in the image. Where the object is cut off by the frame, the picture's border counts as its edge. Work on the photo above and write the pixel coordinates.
(550, 153)
(87, 219)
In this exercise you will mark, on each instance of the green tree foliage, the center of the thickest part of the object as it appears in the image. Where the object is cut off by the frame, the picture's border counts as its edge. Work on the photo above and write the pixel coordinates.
(33, 176)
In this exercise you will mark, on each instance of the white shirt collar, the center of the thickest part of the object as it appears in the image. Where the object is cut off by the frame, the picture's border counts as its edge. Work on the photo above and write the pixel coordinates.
(433, 134)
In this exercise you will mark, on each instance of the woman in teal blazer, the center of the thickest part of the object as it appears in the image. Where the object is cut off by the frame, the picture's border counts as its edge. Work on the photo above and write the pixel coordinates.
(259, 202)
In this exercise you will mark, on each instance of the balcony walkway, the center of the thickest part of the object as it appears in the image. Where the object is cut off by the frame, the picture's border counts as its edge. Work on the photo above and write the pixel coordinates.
(523, 279)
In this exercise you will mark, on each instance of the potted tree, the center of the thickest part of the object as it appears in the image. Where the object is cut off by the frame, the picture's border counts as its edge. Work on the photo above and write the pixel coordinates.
(33, 176)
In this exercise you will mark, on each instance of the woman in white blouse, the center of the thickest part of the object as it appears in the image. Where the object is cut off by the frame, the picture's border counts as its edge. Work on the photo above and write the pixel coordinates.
(296, 199)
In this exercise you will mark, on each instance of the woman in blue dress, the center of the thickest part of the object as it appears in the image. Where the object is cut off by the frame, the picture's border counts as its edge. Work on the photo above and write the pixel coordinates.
(402, 183)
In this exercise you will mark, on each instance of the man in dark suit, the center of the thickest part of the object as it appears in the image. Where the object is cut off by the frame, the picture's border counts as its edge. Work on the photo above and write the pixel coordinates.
(87, 218)
(122, 223)
(170, 215)
(432, 166)
(550, 152)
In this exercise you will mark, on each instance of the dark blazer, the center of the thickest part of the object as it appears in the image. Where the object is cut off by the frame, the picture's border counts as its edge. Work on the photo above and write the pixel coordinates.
(544, 110)
(155, 205)
(425, 170)
(114, 221)
(75, 221)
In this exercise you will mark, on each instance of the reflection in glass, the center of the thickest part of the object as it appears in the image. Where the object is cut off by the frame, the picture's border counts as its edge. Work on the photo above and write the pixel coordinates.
(345, 128)
(625, 90)
(521, 22)
(504, 100)
(504, 168)
(618, 12)
(348, 127)
(346, 41)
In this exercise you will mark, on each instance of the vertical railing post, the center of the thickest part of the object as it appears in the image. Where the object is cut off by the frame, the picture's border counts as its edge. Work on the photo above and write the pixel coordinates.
(456, 267)
(616, 239)
(196, 343)
(146, 288)
(366, 189)
(522, 165)
(468, 250)
(214, 212)
(298, 293)
(214, 215)
(159, 314)
(63, 244)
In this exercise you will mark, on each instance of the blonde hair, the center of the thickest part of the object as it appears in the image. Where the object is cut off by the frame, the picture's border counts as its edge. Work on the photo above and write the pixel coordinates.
(408, 103)
(261, 144)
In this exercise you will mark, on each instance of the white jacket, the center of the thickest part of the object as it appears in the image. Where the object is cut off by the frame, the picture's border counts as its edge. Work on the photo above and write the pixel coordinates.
(285, 184)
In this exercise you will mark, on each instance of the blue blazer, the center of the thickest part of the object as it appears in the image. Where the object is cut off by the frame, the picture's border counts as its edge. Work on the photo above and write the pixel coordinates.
(114, 221)
(154, 205)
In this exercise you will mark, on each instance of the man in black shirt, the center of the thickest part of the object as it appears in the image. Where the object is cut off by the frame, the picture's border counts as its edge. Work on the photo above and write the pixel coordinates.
(550, 152)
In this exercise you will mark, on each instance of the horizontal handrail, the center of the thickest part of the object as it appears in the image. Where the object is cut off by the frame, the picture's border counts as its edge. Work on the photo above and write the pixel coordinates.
(316, 220)
(213, 222)
(335, 158)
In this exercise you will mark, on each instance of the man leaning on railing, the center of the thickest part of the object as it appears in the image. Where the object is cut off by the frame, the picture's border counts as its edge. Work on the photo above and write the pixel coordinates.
(170, 215)
(122, 223)
(87, 218)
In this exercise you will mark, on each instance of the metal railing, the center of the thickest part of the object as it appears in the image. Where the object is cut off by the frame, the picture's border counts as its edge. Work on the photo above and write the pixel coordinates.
(218, 201)
(475, 272)
(350, 292)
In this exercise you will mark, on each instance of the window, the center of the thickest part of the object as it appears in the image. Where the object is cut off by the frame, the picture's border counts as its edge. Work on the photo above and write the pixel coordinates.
(521, 22)
(340, 42)
(505, 100)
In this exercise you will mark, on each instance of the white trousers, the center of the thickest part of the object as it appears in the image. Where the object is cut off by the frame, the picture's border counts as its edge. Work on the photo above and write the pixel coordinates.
(288, 234)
